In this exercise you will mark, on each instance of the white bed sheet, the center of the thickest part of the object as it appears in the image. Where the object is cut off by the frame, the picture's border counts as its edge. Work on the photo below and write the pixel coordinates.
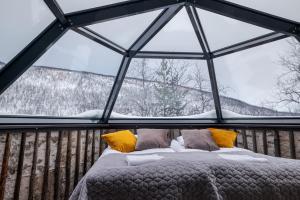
(108, 151)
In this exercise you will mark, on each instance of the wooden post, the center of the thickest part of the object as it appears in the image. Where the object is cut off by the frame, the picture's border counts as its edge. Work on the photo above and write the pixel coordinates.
(292, 145)
(20, 167)
(277, 144)
(46, 167)
(57, 185)
(100, 142)
(236, 140)
(77, 162)
(33, 167)
(245, 142)
(93, 148)
(86, 152)
(265, 143)
(4, 170)
(254, 141)
(68, 165)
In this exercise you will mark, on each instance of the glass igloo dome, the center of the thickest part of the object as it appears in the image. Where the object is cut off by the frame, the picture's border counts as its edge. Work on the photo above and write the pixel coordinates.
(146, 61)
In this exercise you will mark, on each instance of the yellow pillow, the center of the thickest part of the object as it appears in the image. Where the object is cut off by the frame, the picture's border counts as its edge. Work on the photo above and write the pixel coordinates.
(123, 141)
(223, 138)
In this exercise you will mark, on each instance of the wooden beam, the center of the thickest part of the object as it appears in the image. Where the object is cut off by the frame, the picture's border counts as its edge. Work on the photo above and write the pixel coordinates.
(277, 144)
(20, 167)
(86, 151)
(292, 144)
(245, 142)
(265, 142)
(100, 142)
(93, 148)
(254, 141)
(68, 166)
(33, 167)
(77, 162)
(57, 166)
(45, 189)
(4, 169)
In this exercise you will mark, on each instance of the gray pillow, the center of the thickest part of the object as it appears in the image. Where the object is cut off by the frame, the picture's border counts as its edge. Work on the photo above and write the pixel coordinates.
(199, 139)
(152, 138)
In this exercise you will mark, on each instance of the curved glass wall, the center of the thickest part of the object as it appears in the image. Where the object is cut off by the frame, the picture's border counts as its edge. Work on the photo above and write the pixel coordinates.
(165, 88)
(261, 81)
(21, 22)
(72, 79)
(288, 9)
(177, 36)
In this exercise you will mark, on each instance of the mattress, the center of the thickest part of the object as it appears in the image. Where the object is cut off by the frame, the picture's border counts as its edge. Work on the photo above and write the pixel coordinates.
(192, 176)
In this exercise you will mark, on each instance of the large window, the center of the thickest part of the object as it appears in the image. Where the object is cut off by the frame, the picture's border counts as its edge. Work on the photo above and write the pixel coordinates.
(288, 9)
(135, 25)
(178, 35)
(72, 79)
(165, 88)
(261, 81)
(223, 31)
(21, 22)
(77, 5)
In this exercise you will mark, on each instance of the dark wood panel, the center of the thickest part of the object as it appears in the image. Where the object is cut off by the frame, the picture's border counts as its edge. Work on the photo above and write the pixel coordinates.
(77, 161)
(45, 189)
(236, 140)
(245, 142)
(68, 165)
(4, 169)
(100, 142)
(57, 185)
(254, 142)
(292, 144)
(277, 144)
(86, 151)
(33, 167)
(20, 167)
(265, 142)
(93, 148)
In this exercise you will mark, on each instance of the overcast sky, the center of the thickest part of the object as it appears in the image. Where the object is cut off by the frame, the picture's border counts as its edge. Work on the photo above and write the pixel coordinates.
(250, 74)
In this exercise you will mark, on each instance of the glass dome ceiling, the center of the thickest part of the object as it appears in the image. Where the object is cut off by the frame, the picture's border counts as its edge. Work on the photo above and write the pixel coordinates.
(203, 60)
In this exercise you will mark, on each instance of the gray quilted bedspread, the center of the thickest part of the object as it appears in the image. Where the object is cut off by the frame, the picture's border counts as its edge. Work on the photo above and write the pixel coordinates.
(191, 176)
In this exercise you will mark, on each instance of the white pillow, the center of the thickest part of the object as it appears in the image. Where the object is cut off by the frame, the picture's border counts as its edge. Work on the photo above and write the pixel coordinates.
(180, 140)
(176, 146)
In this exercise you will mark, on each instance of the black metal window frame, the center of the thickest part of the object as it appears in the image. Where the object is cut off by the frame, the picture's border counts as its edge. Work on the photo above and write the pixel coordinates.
(78, 20)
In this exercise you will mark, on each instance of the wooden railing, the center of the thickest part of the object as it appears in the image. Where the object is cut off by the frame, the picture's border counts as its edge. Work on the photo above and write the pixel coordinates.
(47, 164)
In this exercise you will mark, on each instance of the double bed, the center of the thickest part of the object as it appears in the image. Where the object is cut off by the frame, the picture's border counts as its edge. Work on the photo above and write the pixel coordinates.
(191, 175)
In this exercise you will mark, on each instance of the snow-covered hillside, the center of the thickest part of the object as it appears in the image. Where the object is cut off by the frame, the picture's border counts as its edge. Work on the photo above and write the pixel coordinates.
(57, 92)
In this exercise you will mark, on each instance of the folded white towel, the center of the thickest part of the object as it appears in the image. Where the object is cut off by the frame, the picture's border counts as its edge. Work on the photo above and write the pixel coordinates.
(242, 158)
(135, 160)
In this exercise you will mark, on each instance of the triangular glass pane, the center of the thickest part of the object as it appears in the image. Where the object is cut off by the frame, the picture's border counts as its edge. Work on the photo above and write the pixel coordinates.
(72, 79)
(223, 31)
(165, 88)
(177, 36)
(21, 22)
(260, 81)
(125, 31)
(77, 5)
(288, 9)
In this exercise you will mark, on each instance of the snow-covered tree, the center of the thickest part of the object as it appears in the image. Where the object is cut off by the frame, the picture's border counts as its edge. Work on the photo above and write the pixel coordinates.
(170, 95)
(143, 99)
(289, 83)
(202, 84)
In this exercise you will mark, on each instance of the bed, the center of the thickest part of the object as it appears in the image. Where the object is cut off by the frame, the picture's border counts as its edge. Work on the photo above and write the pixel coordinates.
(191, 175)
